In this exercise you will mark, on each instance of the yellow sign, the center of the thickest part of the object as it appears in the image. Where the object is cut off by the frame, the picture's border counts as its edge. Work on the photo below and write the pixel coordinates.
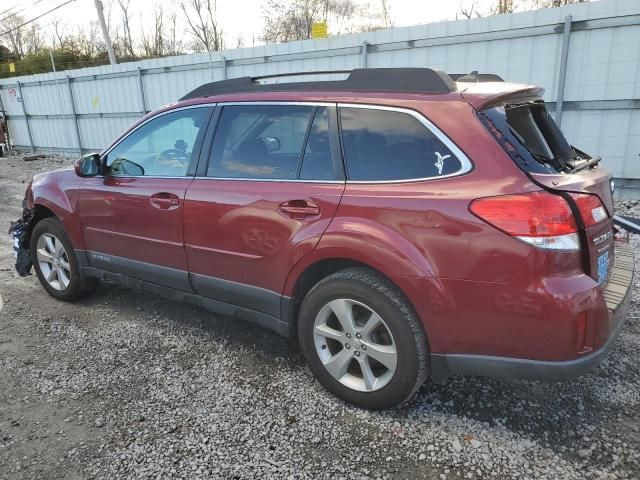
(12, 68)
(319, 30)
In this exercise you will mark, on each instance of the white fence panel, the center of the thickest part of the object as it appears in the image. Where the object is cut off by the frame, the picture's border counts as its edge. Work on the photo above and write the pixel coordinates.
(601, 100)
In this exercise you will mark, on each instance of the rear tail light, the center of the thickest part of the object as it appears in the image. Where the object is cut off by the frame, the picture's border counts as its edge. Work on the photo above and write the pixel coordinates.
(540, 219)
(591, 209)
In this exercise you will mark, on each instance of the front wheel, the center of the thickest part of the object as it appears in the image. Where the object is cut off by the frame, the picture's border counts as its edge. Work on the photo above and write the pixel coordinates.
(362, 340)
(55, 262)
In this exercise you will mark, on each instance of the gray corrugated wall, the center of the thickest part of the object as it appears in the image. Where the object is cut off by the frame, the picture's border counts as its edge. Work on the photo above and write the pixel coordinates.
(601, 108)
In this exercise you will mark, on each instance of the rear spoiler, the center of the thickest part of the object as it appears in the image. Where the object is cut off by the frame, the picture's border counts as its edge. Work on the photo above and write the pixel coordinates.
(486, 95)
(630, 224)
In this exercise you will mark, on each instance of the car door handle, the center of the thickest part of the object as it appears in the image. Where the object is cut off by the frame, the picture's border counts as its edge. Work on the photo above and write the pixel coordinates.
(299, 208)
(165, 201)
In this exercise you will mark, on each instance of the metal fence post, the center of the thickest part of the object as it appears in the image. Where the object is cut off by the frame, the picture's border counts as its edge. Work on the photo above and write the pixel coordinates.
(223, 59)
(562, 74)
(143, 102)
(74, 114)
(26, 118)
(363, 54)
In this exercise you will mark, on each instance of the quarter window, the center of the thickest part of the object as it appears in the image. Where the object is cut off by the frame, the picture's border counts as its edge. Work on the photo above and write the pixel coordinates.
(387, 145)
(161, 147)
(259, 141)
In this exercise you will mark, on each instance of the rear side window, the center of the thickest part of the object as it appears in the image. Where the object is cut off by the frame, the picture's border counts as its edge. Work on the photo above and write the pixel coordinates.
(383, 145)
(285, 142)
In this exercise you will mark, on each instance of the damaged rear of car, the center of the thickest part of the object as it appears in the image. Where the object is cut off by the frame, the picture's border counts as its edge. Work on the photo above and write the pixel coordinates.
(569, 220)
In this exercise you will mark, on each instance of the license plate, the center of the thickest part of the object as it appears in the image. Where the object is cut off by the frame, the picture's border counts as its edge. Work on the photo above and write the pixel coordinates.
(603, 267)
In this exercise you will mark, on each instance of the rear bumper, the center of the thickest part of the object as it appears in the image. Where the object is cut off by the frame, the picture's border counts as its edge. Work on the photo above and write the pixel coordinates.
(617, 293)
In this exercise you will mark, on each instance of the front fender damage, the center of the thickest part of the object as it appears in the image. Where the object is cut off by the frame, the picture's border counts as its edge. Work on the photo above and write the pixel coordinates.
(19, 232)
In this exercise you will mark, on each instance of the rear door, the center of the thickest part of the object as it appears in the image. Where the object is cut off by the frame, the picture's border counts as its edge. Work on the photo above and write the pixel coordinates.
(132, 216)
(267, 191)
(529, 134)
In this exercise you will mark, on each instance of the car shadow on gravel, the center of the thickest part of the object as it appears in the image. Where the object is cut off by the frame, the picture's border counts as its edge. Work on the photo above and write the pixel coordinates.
(566, 413)
(558, 413)
(149, 306)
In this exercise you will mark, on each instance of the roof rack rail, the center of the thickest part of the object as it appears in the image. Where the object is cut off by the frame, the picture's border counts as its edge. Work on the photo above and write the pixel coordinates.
(399, 80)
(405, 80)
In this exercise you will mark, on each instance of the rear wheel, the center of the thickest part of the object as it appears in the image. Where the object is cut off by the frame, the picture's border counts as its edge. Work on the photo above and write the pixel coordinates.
(55, 262)
(362, 340)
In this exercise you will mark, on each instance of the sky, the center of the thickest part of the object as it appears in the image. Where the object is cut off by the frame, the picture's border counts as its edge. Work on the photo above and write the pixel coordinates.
(239, 18)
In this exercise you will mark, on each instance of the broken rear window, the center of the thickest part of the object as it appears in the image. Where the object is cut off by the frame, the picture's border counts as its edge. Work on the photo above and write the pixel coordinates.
(532, 138)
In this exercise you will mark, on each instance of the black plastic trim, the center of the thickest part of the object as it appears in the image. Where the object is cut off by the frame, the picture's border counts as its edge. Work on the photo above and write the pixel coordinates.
(335, 143)
(249, 296)
(166, 276)
(207, 144)
(416, 80)
(248, 302)
(199, 143)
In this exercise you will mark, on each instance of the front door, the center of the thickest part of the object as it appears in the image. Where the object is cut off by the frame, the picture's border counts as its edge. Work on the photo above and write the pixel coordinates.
(132, 216)
(263, 200)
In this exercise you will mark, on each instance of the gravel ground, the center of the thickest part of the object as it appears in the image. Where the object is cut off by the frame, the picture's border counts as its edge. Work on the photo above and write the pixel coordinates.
(128, 385)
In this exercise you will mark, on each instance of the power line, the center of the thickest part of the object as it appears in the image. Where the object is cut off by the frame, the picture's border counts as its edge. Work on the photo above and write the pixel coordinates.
(19, 11)
(8, 9)
(37, 18)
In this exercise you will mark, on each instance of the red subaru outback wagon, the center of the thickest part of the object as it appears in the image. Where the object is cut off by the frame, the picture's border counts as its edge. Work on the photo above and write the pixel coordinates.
(401, 223)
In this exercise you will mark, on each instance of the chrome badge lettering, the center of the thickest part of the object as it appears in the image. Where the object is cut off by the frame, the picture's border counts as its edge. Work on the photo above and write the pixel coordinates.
(440, 161)
(602, 238)
(102, 258)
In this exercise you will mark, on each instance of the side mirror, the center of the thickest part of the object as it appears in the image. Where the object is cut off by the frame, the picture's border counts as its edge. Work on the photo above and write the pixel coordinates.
(271, 143)
(88, 165)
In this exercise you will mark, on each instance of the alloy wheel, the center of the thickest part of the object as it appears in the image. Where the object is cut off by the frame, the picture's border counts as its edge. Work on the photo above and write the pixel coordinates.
(355, 345)
(53, 261)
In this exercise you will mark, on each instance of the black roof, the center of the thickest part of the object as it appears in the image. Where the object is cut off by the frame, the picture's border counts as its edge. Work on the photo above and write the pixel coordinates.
(399, 80)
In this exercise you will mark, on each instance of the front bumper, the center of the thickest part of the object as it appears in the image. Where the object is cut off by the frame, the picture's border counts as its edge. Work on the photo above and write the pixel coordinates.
(617, 294)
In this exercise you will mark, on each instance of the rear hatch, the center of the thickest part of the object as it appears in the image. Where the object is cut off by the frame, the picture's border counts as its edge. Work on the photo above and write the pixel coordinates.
(521, 124)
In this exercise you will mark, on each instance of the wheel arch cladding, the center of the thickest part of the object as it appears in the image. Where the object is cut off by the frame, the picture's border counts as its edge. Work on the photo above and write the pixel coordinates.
(323, 268)
(410, 273)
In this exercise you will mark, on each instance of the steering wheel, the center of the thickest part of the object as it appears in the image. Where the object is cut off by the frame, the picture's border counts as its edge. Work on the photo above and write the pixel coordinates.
(171, 161)
(175, 154)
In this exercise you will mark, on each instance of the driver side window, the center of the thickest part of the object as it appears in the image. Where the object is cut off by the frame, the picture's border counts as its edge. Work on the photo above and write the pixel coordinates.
(161, 147)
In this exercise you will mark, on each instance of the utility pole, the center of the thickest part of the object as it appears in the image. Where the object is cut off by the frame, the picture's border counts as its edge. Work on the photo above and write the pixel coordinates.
(105, 32)
(64, 122)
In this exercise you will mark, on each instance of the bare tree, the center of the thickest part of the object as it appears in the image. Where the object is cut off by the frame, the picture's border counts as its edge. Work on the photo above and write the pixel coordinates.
(201, 15)
(21, 39)
(153, 43)
(503, 6)
(14, 34)
(387, 19)
(469, 11)
(173, 44)
(127, 42)
(557, 3)
(288, 20)
(59, 28)
(509, 6)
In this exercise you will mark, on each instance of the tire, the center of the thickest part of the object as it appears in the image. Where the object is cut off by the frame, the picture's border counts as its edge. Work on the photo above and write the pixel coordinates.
(61, 277)
(328, 346)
